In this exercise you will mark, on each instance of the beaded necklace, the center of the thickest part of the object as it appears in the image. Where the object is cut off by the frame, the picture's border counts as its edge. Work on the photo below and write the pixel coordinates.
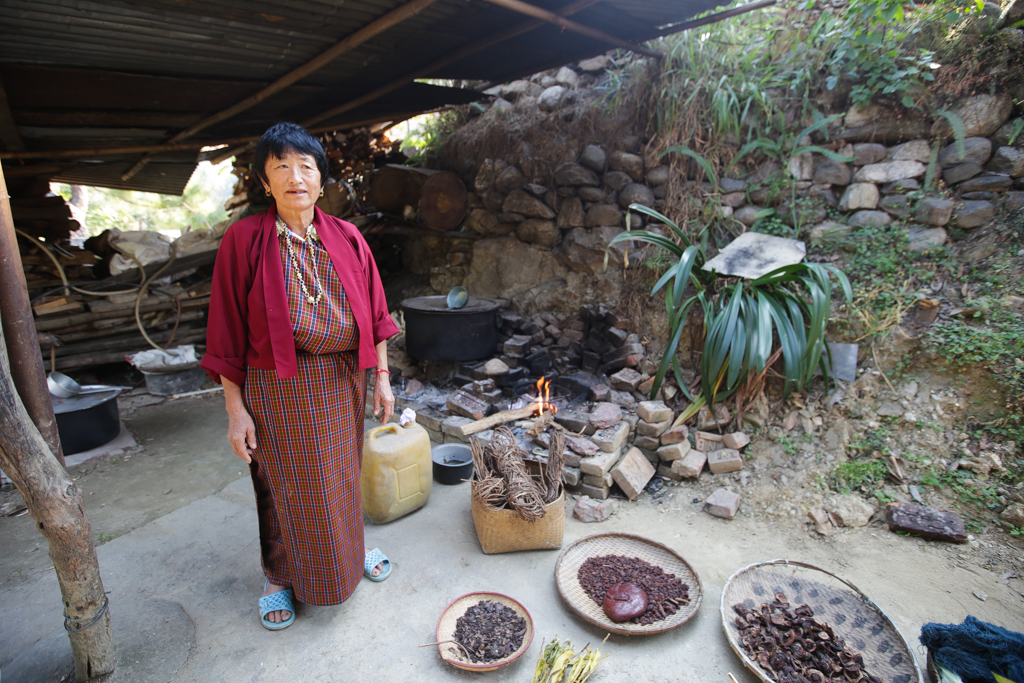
(311, 236)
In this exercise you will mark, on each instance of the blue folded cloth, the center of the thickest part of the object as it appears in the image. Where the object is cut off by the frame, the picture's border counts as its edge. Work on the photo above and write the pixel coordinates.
(974, 650)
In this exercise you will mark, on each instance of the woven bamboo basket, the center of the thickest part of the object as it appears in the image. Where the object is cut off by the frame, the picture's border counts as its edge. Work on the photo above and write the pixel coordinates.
(567, 579)
(454, 655)
(504, 531)
(835, 601)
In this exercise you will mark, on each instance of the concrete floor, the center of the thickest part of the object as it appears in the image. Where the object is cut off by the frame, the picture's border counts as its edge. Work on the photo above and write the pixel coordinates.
(183, 575)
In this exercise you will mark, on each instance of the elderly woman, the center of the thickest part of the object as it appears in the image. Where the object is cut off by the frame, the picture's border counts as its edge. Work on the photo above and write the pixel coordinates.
(297, 317)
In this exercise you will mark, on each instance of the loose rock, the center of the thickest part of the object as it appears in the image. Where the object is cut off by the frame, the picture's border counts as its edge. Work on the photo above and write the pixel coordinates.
(722, 503)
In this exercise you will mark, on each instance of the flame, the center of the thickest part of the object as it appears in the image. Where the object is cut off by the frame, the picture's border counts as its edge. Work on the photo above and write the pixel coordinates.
(542, 402)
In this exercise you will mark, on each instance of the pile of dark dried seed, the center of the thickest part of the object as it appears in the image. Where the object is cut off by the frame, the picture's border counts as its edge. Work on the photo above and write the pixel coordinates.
(665, 593)
(792, 647)
(490, 631)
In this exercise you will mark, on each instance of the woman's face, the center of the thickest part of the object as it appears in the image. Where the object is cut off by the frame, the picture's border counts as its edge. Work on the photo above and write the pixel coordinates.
(294, 180)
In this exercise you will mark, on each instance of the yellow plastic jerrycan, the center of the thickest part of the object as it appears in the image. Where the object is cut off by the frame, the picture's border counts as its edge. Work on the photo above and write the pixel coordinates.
(397, 471)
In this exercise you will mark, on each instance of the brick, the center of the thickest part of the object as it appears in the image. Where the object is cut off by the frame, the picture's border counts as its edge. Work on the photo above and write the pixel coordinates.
(450, 426)
(606, 480)
(605, 415)
(599, 392)
(573, 335)
(598, 492)
(690, 466)
(581, 445)
(646, 386)
(735, 440)
(725, 460)
(676, 451)
(644, 428)
(653, 411)
(925, 522)
(722, 503)
(599, 465)
(612, 439)
(652, 456)
(632, 473)
(622, 399)
(571, 475)
(623, 353)
(626, 379)
(648, 443)
(575, 421)
(707, 442)
(436, 436)
(675, 435)
(570, 458)
(430, 419)
(665, 472)
(467, 405)
(590, 510)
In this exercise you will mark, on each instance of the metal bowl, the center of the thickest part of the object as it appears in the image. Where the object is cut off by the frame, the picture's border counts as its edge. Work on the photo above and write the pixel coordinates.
(458, 297)
(62, 386)
(453, 463)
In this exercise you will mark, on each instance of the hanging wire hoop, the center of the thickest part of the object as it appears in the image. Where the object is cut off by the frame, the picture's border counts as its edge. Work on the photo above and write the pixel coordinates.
(69, 622)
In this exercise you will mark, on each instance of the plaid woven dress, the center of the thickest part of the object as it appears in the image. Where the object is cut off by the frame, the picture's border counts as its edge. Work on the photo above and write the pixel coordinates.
(309, 436)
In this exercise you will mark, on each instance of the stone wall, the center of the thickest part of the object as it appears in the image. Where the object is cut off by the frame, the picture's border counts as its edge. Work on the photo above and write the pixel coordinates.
(545, 213)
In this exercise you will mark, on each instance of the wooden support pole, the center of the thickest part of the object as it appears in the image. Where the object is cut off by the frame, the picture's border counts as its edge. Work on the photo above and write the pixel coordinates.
(562, 22)
(19, 331)
(375, 27)
(53, 499)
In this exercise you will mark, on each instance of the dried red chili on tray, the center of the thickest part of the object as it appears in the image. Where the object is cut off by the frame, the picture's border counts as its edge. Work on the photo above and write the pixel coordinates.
(665, 593)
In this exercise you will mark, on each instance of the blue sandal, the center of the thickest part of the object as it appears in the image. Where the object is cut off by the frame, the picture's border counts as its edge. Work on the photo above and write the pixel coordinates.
(371, 560)
(282, 600)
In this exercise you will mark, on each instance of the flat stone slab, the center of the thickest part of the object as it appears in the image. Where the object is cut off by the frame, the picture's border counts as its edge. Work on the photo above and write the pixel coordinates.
(926, 522)
(753, 254)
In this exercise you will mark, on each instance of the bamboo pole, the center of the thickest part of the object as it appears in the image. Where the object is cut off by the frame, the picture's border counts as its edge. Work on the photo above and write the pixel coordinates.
(52, 497)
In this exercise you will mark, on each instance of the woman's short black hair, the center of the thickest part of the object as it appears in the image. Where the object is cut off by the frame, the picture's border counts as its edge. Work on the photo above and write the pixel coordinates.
(281, 138)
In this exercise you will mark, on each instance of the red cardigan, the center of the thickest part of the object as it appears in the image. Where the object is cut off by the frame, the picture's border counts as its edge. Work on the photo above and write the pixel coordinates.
(249, 322)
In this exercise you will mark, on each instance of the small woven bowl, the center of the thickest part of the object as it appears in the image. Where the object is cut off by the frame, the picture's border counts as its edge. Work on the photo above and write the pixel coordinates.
(452, 653)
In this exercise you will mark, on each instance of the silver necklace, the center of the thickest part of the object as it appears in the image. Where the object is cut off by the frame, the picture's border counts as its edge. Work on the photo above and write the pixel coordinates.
(311, 236)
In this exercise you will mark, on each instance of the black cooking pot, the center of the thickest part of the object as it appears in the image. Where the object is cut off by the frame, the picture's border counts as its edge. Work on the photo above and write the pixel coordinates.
(453, 463)
(435, 332)
(87, 421)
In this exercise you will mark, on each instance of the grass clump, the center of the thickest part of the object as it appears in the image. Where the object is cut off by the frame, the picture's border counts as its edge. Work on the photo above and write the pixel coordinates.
(847, 477)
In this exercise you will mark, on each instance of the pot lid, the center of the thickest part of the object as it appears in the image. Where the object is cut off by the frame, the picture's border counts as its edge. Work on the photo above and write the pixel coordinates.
(85, 401)
(439, 304)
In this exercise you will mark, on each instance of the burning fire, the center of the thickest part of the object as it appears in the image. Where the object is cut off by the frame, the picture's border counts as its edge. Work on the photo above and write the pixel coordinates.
(542, 402)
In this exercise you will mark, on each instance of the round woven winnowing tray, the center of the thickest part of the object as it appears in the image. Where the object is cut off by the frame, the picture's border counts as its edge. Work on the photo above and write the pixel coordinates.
(454, 655)
(568, 565)
(835, 601)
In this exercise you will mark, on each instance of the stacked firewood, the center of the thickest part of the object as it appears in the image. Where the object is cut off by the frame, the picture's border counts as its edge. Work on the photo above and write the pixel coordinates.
(78, 329)
(353, 156)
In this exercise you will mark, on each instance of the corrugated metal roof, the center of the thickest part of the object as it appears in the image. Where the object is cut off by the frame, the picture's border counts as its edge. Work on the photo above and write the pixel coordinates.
(84, 74)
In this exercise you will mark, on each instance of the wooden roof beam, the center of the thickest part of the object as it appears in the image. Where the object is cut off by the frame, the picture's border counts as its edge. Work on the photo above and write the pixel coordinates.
(374, 28)
(8, 130)
(440, 63)
(563, 23)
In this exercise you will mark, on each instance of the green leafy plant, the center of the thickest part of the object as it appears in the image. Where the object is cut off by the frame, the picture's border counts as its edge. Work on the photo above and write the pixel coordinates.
(747, 324)
(849, 476)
